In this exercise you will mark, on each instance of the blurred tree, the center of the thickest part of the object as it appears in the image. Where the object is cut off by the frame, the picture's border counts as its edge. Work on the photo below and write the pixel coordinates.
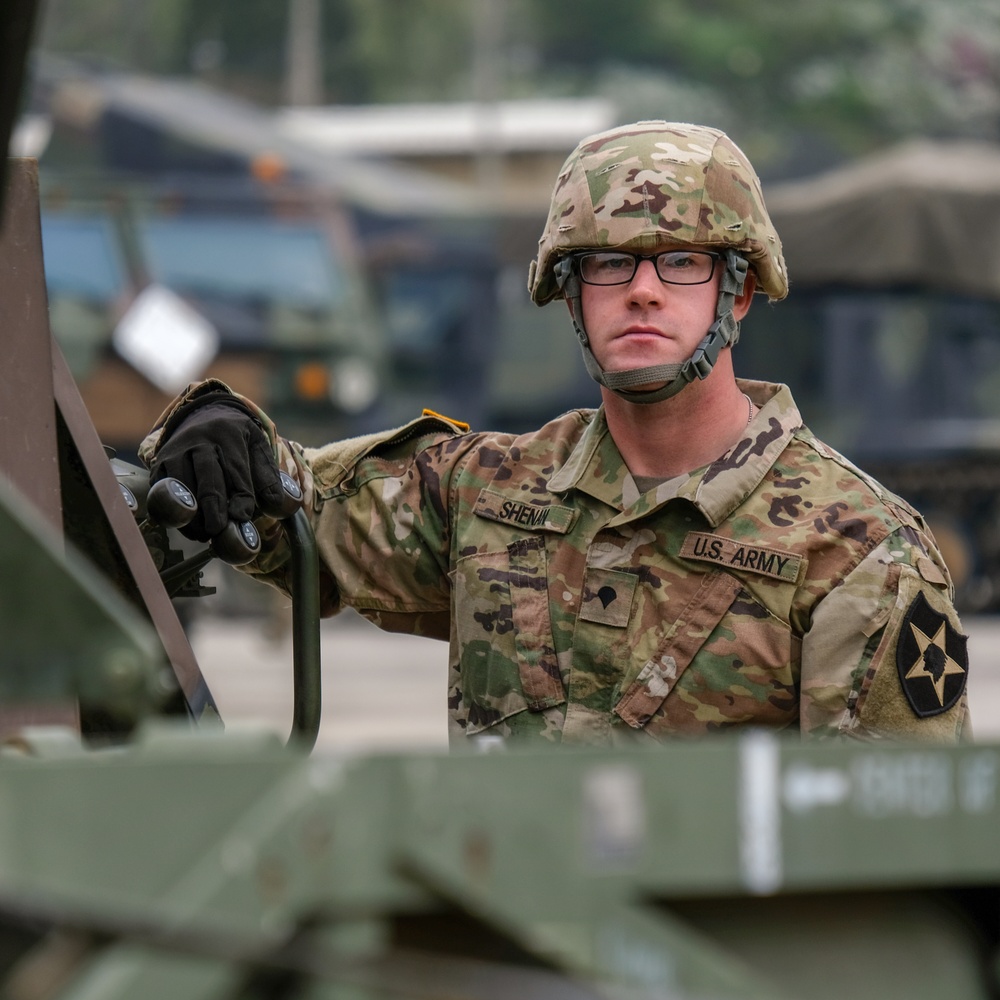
(246, 46)
(812, 80)
(129, 34)
(831, 78)
(412, 50)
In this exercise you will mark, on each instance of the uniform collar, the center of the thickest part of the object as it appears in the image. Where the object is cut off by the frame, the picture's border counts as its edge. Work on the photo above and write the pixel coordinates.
(721, 487)
(595, 465)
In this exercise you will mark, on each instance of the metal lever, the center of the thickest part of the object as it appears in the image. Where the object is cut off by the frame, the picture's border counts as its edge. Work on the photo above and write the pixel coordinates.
(171, 504)
(307, 707)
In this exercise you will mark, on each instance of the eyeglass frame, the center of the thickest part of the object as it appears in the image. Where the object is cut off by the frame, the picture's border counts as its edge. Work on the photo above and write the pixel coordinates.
(638, 258)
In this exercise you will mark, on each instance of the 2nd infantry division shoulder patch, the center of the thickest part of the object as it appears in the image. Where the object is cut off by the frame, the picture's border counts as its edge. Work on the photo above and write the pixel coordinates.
(931, 658)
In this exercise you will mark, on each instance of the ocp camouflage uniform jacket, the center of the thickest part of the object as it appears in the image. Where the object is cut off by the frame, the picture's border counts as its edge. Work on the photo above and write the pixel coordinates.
(778, 586)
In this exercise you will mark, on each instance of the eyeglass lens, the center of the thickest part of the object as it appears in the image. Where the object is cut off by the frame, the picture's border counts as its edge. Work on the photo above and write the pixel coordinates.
(677, 267)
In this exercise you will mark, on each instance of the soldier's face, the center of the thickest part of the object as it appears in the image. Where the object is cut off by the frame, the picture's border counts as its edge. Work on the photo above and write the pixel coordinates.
(649, 322)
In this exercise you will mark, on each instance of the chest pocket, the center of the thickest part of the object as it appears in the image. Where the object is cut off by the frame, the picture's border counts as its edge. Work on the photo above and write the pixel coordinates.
(744, 666)
(687, 635)
(507, 654)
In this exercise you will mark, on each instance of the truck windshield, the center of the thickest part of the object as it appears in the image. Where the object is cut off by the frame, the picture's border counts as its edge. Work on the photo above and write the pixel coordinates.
(244, 259)
(82, 260)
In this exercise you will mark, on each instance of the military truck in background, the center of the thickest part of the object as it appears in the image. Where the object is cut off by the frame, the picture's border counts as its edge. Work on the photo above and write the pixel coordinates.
(272, 272)
(464, 338)
(447, 325)
(890, 337)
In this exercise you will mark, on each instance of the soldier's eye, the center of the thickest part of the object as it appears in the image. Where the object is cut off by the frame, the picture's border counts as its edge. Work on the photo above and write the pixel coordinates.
(619, 262)
(678, 262)
(612, 262)
(684, 268)
(607, 268)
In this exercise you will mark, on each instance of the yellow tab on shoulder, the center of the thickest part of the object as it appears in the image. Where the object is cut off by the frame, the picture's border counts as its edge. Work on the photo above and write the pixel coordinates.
(780, 564)
(460, 424)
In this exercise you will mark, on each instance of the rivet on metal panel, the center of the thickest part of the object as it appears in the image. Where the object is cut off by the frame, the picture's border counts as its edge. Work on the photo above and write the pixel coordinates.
(478, 855)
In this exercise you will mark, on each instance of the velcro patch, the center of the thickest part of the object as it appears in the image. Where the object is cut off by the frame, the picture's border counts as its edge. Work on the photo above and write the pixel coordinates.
(930, 571)
(766, 560)
(532, 517)
(931, 658)
(607, 596)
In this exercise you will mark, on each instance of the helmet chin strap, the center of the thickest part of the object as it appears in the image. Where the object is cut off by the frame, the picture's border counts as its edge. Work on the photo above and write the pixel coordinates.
(724, 331)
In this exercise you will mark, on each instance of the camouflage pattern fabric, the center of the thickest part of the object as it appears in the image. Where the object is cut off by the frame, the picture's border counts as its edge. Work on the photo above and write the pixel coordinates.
(778, 586)
(637, 186)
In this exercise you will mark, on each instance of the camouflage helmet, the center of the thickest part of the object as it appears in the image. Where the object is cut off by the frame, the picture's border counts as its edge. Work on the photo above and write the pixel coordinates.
(636, 186)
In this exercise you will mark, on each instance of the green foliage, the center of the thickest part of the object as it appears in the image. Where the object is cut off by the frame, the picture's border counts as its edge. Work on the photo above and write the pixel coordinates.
(858, 73)
(129, 34)
(412, 50)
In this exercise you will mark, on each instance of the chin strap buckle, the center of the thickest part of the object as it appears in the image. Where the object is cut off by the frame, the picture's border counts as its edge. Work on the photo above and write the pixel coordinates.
(705, 354)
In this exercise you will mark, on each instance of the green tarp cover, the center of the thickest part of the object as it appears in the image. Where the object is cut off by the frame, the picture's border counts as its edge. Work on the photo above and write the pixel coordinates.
(924, 213)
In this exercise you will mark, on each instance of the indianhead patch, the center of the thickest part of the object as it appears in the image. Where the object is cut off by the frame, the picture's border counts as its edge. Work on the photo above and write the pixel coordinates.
(931, 658)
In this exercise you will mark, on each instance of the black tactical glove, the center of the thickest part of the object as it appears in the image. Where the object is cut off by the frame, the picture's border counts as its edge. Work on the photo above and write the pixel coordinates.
(220, 452)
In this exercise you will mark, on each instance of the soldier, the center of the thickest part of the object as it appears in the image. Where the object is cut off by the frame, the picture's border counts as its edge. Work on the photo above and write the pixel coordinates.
(683, 560)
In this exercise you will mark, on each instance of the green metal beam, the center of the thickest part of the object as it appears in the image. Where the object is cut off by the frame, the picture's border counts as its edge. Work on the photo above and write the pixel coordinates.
(699, 870)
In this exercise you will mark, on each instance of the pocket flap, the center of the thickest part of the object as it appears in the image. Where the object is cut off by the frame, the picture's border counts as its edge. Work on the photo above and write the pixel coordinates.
(694, 625)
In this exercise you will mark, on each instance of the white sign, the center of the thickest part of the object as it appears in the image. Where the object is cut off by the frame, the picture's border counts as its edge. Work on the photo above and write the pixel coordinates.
(164, 339)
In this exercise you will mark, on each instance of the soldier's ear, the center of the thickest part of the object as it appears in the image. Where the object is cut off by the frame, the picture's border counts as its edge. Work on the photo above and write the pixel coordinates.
(741, 304)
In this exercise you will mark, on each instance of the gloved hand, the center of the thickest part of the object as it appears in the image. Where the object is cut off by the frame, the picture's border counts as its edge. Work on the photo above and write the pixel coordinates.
(222, 455)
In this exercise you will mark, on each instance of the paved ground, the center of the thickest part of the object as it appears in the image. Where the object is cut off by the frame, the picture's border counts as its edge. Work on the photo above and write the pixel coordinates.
(387, 692)
(372, 681)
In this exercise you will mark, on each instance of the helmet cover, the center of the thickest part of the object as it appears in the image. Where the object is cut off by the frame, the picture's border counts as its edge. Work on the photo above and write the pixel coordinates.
(639, 186)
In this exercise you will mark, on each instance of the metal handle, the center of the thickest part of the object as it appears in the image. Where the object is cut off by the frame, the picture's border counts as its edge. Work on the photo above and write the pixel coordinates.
(307, 699)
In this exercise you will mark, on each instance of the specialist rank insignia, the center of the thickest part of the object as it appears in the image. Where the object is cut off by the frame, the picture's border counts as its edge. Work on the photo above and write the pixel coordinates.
(932, 660)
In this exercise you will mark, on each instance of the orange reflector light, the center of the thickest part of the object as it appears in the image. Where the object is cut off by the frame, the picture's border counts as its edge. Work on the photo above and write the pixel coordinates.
(312, 381)
(269, 168)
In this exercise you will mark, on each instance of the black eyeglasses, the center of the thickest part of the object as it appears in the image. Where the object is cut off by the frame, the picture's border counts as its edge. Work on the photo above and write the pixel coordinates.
(618, 267)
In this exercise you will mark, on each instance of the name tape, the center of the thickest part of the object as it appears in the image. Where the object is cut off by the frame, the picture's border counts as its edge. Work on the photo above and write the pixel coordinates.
(534, 517)
(763, 559)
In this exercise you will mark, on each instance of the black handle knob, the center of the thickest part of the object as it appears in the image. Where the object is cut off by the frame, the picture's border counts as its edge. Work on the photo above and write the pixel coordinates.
(238, 543)
(291, 499)
(171, 503)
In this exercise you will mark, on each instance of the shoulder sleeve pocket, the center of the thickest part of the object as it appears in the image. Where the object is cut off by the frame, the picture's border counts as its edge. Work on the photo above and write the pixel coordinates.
(914, 688)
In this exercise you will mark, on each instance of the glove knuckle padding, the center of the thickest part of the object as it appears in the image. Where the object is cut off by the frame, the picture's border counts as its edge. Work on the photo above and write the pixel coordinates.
(264, 474)
(221, 454)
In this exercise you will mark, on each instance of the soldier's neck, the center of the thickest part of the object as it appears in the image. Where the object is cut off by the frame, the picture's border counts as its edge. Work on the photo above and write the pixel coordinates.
(677, 435)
